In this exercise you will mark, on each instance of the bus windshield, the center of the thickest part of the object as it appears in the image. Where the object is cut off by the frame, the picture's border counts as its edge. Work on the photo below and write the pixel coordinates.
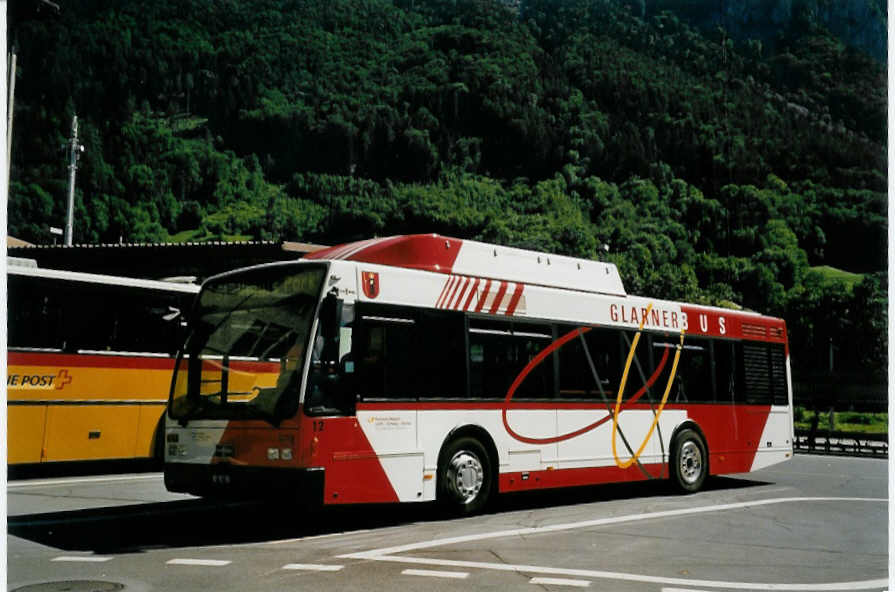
(246, 349)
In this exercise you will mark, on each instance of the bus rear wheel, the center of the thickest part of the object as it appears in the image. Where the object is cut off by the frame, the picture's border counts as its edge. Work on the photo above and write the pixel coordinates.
(465, 476)
(689, 461)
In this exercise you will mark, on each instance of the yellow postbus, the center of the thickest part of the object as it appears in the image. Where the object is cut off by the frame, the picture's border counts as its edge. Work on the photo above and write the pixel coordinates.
(89, 363)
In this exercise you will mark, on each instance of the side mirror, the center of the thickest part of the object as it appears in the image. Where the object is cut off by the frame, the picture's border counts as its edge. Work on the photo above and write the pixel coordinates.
(330, 320)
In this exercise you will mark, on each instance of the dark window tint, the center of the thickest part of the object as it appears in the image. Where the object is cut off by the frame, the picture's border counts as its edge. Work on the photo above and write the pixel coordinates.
(401, 352)
(779, 389)
(763, 373)
(590, 364)
(500, 350)
(34, 313)
(725, 371)
(71, 316)
(647, 370)
(693, 377)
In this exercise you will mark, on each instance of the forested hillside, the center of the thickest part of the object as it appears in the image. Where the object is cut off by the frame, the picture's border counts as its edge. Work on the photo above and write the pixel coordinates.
(714, 168)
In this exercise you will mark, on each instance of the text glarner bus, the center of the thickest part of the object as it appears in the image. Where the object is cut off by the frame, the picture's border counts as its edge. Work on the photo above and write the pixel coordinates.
(421, 367)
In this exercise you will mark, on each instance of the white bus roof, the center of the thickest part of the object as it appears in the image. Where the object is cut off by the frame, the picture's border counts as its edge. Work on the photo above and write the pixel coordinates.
(94, 278)
(441, 254)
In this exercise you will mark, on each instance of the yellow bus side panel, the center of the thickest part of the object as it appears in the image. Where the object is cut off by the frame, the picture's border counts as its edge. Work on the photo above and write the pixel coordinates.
(86, 383)
(149, 418)
(25, 433)
(91, 432)
(66, 428)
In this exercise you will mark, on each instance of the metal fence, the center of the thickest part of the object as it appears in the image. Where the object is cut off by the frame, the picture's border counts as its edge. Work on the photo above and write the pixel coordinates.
(845, 443)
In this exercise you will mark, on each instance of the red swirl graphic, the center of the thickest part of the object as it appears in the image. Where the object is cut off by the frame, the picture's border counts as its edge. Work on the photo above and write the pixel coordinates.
(540, 358)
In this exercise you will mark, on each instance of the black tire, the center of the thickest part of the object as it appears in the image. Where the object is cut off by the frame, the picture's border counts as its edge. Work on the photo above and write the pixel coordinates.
(689, 464)
(465, 476)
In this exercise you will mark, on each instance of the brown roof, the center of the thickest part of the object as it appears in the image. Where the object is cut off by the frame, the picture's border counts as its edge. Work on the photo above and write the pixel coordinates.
(12, 241)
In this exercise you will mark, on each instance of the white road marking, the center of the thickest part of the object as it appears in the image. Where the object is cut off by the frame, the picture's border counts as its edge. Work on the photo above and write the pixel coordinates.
(608, 575)
(535, 530)
(201, 562)
(84, 558)
(313, 566)
(560, 582)
(316, 536)
(431, 573)
(65, 482)
(388, 553)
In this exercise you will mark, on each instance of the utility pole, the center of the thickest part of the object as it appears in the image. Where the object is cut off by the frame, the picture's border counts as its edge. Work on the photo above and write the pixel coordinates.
(75, 150)
(12, 97)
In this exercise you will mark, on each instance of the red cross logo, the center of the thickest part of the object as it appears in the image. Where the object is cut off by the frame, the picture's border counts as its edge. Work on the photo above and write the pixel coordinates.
(62, 379)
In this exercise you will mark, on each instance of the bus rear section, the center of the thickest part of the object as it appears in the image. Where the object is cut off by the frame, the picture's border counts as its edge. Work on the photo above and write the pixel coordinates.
(371, 375)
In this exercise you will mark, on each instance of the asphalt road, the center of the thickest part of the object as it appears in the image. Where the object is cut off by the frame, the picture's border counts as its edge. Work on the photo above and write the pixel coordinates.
(815, 523)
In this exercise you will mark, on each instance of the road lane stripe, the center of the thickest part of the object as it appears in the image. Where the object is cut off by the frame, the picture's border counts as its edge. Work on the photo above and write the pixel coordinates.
(388, 553)
(535, 530)
(316, 536)
(431, 573)
(609, 575)
(64, 482)
(560, 582)
(84, 558)
(313, 566)
(202, 562)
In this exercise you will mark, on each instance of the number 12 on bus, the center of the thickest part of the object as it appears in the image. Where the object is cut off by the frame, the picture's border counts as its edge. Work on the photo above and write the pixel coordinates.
(422, 367)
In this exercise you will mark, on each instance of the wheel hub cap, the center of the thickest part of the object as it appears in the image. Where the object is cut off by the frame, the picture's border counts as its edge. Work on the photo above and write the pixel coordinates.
(466, 475)
(691, 462)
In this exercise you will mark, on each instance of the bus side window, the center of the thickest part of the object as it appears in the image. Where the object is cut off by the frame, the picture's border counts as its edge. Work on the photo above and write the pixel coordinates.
(440, 342)
(89, 315)
(725, 371)
(383, 352)
(693, 380)
(591, 373)
(34, 319)
(500, 350)
(143, 326)
(754, 373)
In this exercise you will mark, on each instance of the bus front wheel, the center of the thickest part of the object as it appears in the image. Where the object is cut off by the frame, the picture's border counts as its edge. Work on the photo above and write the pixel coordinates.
(465, 476)
(689, 461)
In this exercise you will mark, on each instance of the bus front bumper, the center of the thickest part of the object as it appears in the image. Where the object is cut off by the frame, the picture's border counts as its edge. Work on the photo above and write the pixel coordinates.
(225, 480)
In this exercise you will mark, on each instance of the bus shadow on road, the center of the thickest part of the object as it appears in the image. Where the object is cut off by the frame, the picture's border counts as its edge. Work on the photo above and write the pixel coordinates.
(200, 522)
(613, 491)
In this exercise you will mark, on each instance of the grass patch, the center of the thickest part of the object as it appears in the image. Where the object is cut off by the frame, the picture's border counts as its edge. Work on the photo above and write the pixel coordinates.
(843, 421)
(833, 275)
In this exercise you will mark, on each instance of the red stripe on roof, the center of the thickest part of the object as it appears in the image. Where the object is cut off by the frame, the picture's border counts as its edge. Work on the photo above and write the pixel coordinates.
(475, 285)
(447, 303)
(444, 292)
(500, 293)
(514, 301)
(483, 297)
(427, 252)
(459, 299)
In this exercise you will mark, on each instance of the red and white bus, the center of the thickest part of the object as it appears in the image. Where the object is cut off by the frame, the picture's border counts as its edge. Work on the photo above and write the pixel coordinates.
(422, 367)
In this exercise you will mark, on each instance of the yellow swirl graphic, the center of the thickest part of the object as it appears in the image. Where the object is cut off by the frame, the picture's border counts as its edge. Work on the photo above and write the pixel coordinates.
(621, 390)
